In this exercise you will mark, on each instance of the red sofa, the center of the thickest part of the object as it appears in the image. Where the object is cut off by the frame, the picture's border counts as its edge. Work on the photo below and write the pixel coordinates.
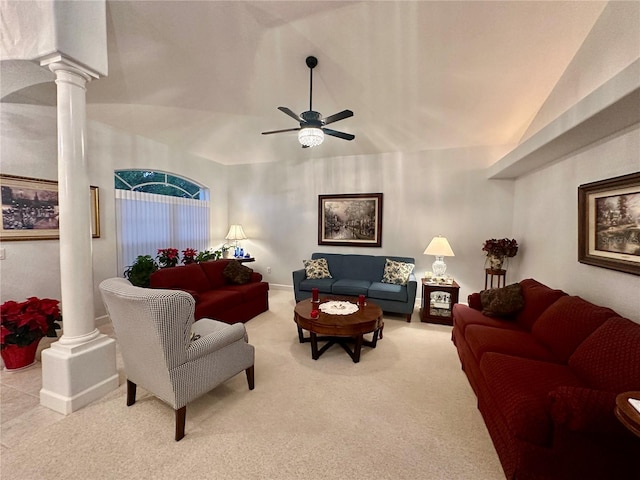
(216, 297)
(546, 379)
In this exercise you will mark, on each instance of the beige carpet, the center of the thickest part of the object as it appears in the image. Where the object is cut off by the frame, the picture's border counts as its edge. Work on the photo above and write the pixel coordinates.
(406, 411)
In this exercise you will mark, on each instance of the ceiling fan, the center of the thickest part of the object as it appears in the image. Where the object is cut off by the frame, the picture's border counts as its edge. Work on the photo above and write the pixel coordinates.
(312, 128)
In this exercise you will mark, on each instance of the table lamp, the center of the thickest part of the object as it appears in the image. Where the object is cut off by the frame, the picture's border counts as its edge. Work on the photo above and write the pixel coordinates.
(235, 233)
(439, 247)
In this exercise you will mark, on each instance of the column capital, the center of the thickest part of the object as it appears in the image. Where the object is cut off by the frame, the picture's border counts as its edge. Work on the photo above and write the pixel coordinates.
(57, 61)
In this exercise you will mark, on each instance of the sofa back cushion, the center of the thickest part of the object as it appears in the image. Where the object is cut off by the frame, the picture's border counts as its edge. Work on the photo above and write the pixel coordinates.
(358, 267)
(187, 277)
(214, 272)
(567, 322)
(609, 358)
(537, 298)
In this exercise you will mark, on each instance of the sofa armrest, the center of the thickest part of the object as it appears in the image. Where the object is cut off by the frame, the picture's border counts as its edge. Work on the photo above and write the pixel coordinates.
(412, 288)
(255, 277)
(581, 409)
(299, 275)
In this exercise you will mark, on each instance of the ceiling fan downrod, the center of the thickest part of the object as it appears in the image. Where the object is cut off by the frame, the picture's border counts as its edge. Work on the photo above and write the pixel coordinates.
(311, 63)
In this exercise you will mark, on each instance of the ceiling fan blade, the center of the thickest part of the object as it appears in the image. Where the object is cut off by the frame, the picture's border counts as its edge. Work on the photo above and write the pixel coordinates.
(289, 112)
(281, 131)
(335, 133)
(338, 116)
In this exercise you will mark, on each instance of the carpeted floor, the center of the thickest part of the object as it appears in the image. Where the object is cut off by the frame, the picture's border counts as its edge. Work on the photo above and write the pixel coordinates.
(406, 411)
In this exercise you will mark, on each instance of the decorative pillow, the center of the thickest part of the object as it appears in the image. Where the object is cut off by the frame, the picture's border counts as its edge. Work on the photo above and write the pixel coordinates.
(237, 273)
(397, 272)
(502, 302)
(318, 268)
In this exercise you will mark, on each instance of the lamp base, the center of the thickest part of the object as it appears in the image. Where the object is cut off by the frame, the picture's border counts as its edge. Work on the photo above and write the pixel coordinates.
(439, 267)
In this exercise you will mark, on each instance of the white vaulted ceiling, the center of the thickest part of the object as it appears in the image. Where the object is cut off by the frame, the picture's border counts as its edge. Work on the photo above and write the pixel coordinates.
(206, 76)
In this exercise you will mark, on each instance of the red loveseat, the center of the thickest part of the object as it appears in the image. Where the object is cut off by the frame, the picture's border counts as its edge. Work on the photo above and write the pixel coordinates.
(546, 379)
(215, 295)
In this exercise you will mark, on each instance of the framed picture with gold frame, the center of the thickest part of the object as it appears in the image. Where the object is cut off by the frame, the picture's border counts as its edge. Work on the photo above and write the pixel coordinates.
(609, 223)
(30, 209)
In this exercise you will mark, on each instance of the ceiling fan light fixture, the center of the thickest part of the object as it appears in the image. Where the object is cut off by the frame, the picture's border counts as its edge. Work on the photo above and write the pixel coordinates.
(310, 136)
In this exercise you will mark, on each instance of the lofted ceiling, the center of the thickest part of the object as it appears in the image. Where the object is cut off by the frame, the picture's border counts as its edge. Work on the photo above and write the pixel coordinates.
(207, 77)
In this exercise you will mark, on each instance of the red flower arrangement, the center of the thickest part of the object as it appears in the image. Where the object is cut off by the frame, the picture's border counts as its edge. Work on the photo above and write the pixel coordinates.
(501, 248)
(189, 256)
(167, 257)
(26, 322)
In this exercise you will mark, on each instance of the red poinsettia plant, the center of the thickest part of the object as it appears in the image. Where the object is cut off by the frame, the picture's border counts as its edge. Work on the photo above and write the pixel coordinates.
(501, 248)
(189, 256)
(22, 323)
(168, 257)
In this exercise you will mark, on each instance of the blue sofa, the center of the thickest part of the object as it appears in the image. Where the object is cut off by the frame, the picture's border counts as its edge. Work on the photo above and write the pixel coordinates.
(355, 275)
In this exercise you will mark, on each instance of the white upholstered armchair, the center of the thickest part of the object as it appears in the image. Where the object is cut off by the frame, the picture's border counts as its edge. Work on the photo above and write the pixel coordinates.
(154, 332)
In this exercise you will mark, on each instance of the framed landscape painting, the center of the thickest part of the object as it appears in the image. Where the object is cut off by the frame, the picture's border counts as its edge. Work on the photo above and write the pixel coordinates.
(30, 209)
(609, 223)
(350, 219)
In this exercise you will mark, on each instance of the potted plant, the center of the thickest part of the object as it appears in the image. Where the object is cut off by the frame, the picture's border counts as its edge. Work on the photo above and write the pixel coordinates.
(22, 325)
(167, 257)
(499, 250)
(207, 255)
(226, 250)
(189, 256)
(140, 271)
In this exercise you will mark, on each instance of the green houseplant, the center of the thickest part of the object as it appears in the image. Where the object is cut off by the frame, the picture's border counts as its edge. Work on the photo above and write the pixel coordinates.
(140, 271)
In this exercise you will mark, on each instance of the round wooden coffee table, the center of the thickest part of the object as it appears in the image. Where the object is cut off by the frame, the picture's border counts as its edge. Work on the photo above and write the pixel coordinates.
(342, 330)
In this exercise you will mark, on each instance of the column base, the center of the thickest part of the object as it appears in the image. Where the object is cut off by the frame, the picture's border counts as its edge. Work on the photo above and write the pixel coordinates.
(75, 375)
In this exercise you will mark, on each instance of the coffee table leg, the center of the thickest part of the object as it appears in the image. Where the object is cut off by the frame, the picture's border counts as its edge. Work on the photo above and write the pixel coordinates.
(314, 346)
(356, 349)
(300, 335)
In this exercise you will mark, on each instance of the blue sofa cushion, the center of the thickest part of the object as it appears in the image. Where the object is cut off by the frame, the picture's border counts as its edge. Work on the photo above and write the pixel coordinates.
(388, 291)
(350, 287)
(322, 284)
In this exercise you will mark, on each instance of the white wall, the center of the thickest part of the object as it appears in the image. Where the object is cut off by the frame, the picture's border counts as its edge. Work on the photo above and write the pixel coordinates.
(546, 218)
(29, 148)
(611, 46)
(425, 194)
(546, 211)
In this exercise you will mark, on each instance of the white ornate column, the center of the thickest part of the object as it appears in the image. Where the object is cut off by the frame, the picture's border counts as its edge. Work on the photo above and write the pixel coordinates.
(81, 366)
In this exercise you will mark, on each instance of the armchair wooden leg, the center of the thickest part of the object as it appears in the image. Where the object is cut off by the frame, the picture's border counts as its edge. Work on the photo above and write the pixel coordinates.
(181, 416)
(250, 377)
(131, 393)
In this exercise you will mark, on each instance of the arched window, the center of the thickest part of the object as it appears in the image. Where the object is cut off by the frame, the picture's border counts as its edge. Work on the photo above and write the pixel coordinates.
(157, 210)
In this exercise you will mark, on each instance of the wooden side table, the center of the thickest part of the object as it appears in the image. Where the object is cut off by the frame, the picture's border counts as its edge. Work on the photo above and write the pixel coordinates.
(499, 275)
(628, 415)
(438, 301)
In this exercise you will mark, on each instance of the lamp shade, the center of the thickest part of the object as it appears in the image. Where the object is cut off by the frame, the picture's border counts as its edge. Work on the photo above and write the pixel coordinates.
(311, 136)
(439, 247)
(235, 233)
